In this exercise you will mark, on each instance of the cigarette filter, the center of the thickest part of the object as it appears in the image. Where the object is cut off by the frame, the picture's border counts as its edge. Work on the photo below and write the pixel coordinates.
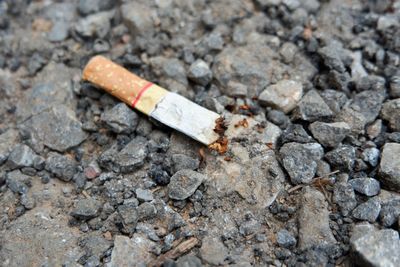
(166, 107)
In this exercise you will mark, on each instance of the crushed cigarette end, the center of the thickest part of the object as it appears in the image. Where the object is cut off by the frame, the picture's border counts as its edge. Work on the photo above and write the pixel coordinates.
(221, 145)
(244, 123)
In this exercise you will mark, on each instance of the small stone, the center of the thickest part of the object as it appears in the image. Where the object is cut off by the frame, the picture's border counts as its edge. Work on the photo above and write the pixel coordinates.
(86, 209)
(394, 90)
(213, 251)
(28, 202)
(312, 107)
(296, 133)
(369, 104)
(249, 227)
(17, 182)
(188, 261)
(285, 239)
(146, 210)
(200, 73)
(132, 155)
(313, 219)
(390, 212)
(36, 63)
(63, 167)
(334, 99)
(59, 32)
(135, 251)
(184, 183)
(21, 156)
(368, 211)
(389, 167)
(129, 215)
(86, 7)
(367, 186)
(137, 17)
(332, 59)
(300, 160)
(57, 127)
(278, 118)
(371, 155)
(342, 157)
(344, 197)
(329, 134)
(92, 170)
(7, 141)
(181, 161)
(144, 195)
(354, 118)
(374, 129)
(120, 119)
(283, 95)
(235, 89)
(391, 113)
(377, 248)
(288, 51)
(95, 25)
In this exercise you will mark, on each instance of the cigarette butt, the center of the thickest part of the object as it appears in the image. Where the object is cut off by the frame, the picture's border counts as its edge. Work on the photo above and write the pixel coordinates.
(167, 107)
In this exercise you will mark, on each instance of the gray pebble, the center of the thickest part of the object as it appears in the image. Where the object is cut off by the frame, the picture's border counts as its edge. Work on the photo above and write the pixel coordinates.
(199, 72)
(367, 211)
(63, 167)
(342, 157)
(285, 239)
(120, 119)
(389, 167)
(86, 209)
(184, 183)
(21, 156)
(144, 195)
(329, 134)
(367, 186)
(312, 107)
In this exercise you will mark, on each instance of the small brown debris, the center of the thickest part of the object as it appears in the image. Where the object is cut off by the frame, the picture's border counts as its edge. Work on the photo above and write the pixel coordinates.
(202, 154)
(270, 145)
(108, 236)
(243, 123)
(227, 158)
(176, 252)
(41, 25)
(244, 107)
(220, 126)
(221, 145)
(307, 33)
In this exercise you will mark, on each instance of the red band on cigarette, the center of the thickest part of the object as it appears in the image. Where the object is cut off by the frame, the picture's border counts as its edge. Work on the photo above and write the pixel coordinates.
(147, 86)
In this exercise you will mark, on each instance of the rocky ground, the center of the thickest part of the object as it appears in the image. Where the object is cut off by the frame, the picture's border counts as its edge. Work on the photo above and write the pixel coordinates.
(310, 90)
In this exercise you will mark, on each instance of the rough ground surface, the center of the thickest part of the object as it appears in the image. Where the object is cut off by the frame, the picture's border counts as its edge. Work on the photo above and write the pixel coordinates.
(310, 90)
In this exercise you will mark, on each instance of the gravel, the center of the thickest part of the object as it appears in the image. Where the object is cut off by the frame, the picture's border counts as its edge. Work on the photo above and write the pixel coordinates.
(377, 248)
(312, 107)
(120, 119)
(389, 167)
(367, 186)
(86, 209)
(62, 167)
(56, 128)
(310, 175)
(300, 160)
(367, 211)
(200, 73)
(283, 95)
(329, 134)
(184, 183)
